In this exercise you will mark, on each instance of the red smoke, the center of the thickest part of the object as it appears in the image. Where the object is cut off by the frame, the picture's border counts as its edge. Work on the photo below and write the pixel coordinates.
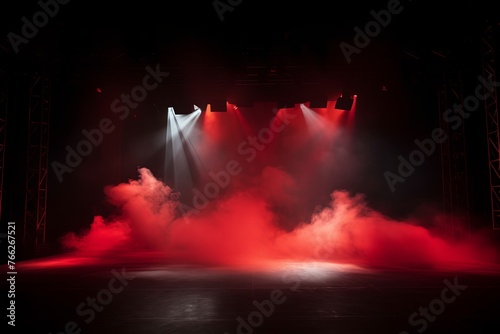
(242, 228)
(263, 213)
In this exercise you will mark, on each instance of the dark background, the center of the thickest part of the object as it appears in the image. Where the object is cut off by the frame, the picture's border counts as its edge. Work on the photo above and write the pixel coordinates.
(91, 44)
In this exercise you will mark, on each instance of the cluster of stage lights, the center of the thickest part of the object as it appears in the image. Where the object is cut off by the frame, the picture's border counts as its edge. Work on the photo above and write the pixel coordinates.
(344, 102)
(184, 122)
(183, 133)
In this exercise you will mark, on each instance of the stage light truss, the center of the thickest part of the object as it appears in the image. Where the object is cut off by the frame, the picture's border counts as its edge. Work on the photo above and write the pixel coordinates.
(492, 123)
(3, 129)
(35, 217)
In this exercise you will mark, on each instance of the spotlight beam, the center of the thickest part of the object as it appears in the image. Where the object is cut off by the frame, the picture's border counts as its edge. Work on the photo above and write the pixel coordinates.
(192, 156)
(315, 122)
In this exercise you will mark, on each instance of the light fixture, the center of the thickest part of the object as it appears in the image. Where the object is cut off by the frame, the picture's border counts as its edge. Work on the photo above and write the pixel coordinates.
(345, 101)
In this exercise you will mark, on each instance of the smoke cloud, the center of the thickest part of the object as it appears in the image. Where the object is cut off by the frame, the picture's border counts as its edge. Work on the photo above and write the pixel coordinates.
(243, 228)
(289, 199)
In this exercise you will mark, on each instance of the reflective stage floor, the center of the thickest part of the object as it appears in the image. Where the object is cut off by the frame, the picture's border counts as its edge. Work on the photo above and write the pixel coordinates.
(82, 295)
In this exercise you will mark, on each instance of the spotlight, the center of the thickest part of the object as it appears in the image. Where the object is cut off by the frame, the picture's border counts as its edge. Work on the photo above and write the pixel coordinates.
(344, 103)
(182, 106)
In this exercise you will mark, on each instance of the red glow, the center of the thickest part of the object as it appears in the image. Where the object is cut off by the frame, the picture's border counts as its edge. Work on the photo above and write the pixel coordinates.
(72, 260)
(283, 200)
(242, 122)
(242, 229)
(334, 114)
(211, 124)
(352, 113)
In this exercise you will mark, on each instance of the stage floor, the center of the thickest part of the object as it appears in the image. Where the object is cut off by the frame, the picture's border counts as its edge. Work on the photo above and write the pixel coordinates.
(84, 295)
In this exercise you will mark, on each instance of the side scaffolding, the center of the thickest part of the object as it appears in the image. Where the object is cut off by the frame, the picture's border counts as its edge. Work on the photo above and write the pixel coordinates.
(35, 217)
(488, 44)
(3, 131)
